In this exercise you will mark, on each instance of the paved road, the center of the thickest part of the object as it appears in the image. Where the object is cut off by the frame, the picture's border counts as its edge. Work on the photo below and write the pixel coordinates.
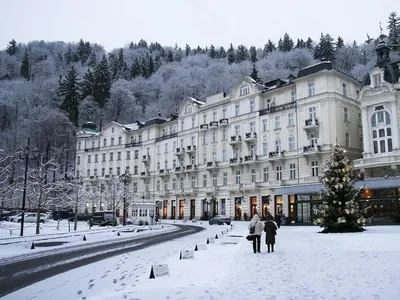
(16, 275)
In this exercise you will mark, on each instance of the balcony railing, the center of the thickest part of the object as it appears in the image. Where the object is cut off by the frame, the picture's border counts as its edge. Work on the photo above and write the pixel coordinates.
(236, 160)
(213, 124)
(211, 164)
(276, 154)
(191, 149)
(224, 122)
(204, 127)
(311, 124)
(312, 148)
(166, 137)
(92, 149)
(275, 108)
(251, 158)
(250, 136)
(236, 139)
(180, 151)
(133, 144)
(179, 169)
(146, 157)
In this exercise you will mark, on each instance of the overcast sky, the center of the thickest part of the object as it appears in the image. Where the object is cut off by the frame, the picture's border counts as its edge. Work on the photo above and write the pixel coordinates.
(115, 23)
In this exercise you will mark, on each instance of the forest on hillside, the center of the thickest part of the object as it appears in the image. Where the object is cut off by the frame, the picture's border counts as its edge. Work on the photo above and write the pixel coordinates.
(48, 89)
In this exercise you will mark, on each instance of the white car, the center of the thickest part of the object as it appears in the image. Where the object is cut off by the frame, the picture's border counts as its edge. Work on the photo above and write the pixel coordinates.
(29, 218)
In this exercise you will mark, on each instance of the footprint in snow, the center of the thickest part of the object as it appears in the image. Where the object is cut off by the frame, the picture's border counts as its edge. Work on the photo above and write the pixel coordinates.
(79, 292)
(91, 280)
(91, 285)
(115, 281)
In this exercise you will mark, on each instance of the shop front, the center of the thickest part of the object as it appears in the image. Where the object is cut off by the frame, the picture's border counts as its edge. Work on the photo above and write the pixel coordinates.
(238, 208)
(165, 209)
(181, 208)
(306, 204)
(253, 206)
(382, 205)
(192, 209)
(265, 207)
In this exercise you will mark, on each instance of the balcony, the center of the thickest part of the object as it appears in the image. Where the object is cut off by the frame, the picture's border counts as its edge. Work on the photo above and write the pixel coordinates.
(212, 164)
(191, 149)
(166, 137)
(179, 169)
(223, 122)
(311, 149)
(163, 172)
(92, 149)
(211, 189)
(236, 160)
(146, 158)
(235, 139)
(250, 186)
(133, 144)
(311, 124)
(251, 158)
(191, 168)
(203, 127)
(275, 108)
(188, 191)
(276, 155)
(214, 124)
(145, 173)
(379, 161)
(180, 151)
(250, 137)
(235, 186)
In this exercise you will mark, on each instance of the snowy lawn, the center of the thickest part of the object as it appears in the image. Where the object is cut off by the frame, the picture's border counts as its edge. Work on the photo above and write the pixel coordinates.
(305, 265)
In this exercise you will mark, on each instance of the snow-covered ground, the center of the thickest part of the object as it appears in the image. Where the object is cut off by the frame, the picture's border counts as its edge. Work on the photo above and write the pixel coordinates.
(306, 265)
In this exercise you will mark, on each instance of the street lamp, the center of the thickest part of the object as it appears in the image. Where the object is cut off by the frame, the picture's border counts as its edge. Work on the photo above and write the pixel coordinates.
(125, 178)
(35, 154)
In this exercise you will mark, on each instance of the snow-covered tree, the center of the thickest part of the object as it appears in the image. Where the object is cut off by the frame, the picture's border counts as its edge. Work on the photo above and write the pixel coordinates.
(340, 210)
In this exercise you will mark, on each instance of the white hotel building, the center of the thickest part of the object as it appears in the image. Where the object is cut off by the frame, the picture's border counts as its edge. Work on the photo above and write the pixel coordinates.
(260, 148)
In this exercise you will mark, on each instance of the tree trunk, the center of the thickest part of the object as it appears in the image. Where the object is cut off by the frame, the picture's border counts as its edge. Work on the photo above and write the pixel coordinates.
(38, 221)
(76, 217)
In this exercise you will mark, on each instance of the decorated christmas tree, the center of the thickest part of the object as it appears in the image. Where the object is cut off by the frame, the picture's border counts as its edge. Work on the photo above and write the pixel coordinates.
(340, 210)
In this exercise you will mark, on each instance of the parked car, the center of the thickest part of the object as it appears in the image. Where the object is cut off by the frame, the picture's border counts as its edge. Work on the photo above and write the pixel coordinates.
(29, 218)
(220, 220)
(103, 218)
(8, 215)
(81, 217)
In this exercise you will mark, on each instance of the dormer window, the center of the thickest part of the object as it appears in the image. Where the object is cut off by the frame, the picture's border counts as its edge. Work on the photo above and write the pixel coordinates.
(244, 90)
(376, 80)
(188, 109)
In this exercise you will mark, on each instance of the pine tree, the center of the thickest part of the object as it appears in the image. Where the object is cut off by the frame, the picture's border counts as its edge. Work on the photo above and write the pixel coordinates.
(231, 54)
(25, 67)
(394, 29)
(187, 50)
(254, 73)
(142, 44)
(69, 92)
(102, 83)
(150, 68)
(143, 68)
(242, 54)
(300, 44)
(287, 43)
(309, 43)
(268, 48)
(12, 48)
(170, 56)
(92, 60)
(211, 52)
(83, 51)
(324, 51)
(221, 52)
(340, 210)
(87, 84)
(136, 71)
(253, 54)
(339, 42)
(69, 56)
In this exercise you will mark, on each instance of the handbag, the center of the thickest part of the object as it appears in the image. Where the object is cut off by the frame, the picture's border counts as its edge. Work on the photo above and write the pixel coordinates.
(253, 228)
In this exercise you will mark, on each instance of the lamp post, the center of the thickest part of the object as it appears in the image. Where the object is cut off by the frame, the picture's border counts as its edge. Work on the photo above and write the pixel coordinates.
(125, 178)
(25, 152)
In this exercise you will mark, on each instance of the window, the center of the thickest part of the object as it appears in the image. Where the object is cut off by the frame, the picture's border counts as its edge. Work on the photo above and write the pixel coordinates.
(158, 149)
(291, 143)
(192, 140)
(237, 109)
(204, 157)
(80, 145)
(265, 148)
(104, 142)
(110, 171)
(214, 136)
(204, 139)
(253, 150)
(244, 90)
(173, 146)
(237, 177)
(224, 113)
(193, 122)
(214, 155)
(252, 105)
(135, 187)
(112, 141)
(237, 130)
(88, 173)
(214, 179)
(290, 119)
(224, 154)
(253, 175)
(166, 164)
(278, 145)
(381, 132)
(182, 183)
(92, 144)
(312, 113)
(346, 114)
(311, 89)
(111, 156)
(225, 178)
(265, 125)
(236, 152)
(158, 165)
(158, 185)
(103, 159)
(135, 170)
(314, 168)
(165, 185)
(204, 180)
(128, 155)
(347, 139)
(252, 126)
(136, 154)
(182, 125)
(277, 122)
(112, 129)
(265, 174)
(376, 80)
(103, 172)
(359, 119)
(193, 160)
(78, 160)
(313, 139)
(292, 171)
(89, 159)
(119, 155)
(214, 116)
(173, 183)
(127, 170)
(293, 95)
(166, 148)
(188, 109)
(193, 182)
(344, 87)
(205, 119)
(118, 171)
(278, 172)
(96, 158)
(224, 135)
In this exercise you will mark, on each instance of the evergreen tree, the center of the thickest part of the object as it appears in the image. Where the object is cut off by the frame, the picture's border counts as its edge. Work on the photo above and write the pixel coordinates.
(150, 68)
(253, 54)
(170, 56)
(12, 48)
(268, 48)
(280, 45)
(83, 51)
(300, 44)
(69, 92)
(25, 67)
(254, 73)
(142, 44)
(287, 43)
(211, 52)
(102, 83)
(324, 50)
(87, 84)
(136, 71)
(242, 54)
(157, 62)
(143, 67)
(339, 42)
(221, 52)
(394, 29)
(69, 56)
(187, 50)
(231, 54)
(340, 210)
(309, 43)
(92, 60)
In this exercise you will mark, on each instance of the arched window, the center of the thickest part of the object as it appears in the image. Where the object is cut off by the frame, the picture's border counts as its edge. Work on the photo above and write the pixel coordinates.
(381, 132)
(244, 90)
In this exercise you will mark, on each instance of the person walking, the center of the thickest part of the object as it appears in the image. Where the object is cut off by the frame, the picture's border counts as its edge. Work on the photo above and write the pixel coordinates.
(255, 229)
(270, 232)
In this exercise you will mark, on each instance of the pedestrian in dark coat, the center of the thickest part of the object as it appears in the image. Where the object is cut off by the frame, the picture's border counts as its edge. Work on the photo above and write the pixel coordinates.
(258, 228)
(278, 219)
(270, 232)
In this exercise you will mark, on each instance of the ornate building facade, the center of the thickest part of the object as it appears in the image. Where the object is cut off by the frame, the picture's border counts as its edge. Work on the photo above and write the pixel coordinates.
(260, 148)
